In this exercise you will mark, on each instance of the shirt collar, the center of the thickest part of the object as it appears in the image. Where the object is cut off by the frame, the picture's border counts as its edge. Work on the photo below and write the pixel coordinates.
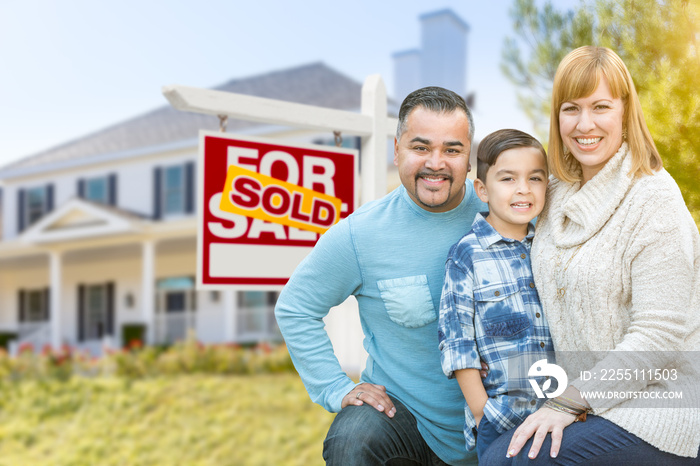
(488, 236)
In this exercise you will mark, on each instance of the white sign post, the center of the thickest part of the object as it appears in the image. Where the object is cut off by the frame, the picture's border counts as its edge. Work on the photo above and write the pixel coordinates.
(371, 124)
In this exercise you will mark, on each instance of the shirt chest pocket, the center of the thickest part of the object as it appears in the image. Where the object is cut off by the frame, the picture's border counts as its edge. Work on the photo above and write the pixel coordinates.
(500, 308)
(408, 301)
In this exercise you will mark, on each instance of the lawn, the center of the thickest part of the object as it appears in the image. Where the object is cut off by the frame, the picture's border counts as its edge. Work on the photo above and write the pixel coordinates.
(196, 419)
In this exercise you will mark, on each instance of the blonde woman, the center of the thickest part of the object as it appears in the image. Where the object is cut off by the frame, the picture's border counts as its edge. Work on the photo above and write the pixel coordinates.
(616, 261)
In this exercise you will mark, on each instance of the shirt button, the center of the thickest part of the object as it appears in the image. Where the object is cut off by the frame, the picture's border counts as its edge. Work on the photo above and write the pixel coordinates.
(523, 255)
(542, 344)
(532, 285)
(497, 293)
(533, 402)
(537, 314)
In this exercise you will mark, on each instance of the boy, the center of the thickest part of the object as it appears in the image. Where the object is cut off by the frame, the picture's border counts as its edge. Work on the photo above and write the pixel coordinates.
(489, 307)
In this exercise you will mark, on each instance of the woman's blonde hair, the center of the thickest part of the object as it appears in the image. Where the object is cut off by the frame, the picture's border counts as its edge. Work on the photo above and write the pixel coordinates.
(578, 75)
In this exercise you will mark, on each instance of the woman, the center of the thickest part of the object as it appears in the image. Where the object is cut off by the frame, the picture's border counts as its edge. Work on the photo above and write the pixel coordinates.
(616, 260)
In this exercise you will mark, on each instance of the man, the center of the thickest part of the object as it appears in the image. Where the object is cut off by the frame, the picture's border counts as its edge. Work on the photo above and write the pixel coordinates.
(390, 254)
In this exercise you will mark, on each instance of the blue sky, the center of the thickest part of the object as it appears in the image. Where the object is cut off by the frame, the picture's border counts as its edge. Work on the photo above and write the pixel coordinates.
(75, 66)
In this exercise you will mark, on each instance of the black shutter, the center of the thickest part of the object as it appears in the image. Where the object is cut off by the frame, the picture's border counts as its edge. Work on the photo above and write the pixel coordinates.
(110, 309)
(81, 312)
(21, 305)
(20, 210)
(112, 186)
(81, 188)
(49, 198)
(47, 303)
(156, 193)
(189, 187)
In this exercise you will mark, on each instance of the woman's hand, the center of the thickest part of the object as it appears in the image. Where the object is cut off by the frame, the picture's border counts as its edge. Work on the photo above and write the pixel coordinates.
(539, 423)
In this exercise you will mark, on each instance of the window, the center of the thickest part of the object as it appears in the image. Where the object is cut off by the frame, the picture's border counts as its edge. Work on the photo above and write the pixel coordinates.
(96, 190)
(101, 189)
(32, 204)
(173, 190)
(36, 204)
(34, 306)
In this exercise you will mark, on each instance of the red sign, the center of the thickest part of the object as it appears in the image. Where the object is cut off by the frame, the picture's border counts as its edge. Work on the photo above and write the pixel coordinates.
(250, 242)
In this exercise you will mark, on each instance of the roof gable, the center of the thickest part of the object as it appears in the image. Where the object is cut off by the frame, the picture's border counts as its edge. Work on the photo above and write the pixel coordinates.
(79, 219)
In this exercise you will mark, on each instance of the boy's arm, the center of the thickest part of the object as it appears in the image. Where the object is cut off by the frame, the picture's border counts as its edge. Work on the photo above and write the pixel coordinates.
(473, 389)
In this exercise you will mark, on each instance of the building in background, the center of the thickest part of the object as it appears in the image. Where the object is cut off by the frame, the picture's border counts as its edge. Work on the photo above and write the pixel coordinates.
(99, 234)
(441, 59)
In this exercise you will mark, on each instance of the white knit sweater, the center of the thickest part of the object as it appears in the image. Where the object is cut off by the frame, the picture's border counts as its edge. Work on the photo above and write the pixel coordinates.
(617, 266)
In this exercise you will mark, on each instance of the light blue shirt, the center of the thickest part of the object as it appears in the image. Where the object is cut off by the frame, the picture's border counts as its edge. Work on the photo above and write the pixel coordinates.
(490, 311)
(390, 254)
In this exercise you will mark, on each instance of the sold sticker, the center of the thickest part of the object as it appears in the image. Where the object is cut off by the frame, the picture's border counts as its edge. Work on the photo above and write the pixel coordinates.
(266, 198)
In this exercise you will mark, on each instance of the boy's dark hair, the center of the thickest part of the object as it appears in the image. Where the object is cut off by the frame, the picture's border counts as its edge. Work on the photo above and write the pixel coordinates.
(436, 99)
(498, 142)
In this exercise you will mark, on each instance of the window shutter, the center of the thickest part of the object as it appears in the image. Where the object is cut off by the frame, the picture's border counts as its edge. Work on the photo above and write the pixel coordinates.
(20, 305)
(49, 198)
(81, 312)
(110, 308)
(81, 188)
(47, 303)
(112, 189)
(189, 187)
(20, 210)
(157, 193)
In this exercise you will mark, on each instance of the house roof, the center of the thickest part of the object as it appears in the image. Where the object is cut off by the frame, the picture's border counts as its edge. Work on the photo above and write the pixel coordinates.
(312, 84)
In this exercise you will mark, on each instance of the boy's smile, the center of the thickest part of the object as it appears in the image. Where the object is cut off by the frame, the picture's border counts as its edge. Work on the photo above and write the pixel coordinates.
(515, 190)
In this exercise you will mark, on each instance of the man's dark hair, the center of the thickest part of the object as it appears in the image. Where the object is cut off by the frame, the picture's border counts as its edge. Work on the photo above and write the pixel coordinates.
(498, 142)
(436, 99)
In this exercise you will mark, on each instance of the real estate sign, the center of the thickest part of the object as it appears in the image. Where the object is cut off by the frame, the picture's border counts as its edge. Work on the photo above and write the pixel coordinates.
(263, 204)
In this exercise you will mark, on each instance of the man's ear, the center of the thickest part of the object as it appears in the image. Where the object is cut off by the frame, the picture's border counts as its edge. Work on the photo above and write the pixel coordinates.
(396, 152)
(480, 189)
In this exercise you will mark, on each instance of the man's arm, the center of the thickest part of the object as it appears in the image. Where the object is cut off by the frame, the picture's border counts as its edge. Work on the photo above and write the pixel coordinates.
(326, 278)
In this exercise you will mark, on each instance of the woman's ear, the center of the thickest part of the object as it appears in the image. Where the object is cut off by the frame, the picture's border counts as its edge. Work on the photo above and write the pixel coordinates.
(480, 189)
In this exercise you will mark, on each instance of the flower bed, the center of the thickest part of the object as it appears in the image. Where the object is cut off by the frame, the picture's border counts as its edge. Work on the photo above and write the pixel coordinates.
(137, 361)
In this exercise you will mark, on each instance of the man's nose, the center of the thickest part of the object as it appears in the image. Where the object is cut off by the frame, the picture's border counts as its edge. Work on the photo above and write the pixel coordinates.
(435, 161)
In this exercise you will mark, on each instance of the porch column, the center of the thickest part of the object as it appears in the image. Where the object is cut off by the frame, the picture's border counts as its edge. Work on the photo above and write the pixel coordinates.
(55, 298)
(148, 289)
(230, 312)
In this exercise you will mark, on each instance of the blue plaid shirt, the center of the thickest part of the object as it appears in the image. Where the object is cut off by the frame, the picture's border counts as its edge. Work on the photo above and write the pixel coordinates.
(490, 311)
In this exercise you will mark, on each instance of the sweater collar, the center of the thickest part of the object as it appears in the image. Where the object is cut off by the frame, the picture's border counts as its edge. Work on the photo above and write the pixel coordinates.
(578, 213)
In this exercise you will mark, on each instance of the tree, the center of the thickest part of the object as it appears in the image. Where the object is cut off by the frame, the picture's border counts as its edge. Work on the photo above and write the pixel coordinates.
(659, 41)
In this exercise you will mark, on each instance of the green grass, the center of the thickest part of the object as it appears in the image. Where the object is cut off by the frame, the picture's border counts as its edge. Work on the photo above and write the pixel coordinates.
(168, 420)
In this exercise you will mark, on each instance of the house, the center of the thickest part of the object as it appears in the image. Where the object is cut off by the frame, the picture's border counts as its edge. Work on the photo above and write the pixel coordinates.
(99, 234)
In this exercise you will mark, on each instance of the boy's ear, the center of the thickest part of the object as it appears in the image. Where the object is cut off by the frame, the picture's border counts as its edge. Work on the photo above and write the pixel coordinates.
(480, 189)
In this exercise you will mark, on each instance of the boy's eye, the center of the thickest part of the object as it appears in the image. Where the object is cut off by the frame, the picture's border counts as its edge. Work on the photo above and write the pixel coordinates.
(536, 178)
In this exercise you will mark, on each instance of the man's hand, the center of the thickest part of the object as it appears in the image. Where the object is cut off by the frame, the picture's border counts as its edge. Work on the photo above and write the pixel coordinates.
(373, 395)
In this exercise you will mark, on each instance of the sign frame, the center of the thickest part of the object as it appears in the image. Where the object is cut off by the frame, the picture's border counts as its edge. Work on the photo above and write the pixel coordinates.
(293, 253)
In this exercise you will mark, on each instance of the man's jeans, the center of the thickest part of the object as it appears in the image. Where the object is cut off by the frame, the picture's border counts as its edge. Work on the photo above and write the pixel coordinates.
(592, 443)
(361, 435)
